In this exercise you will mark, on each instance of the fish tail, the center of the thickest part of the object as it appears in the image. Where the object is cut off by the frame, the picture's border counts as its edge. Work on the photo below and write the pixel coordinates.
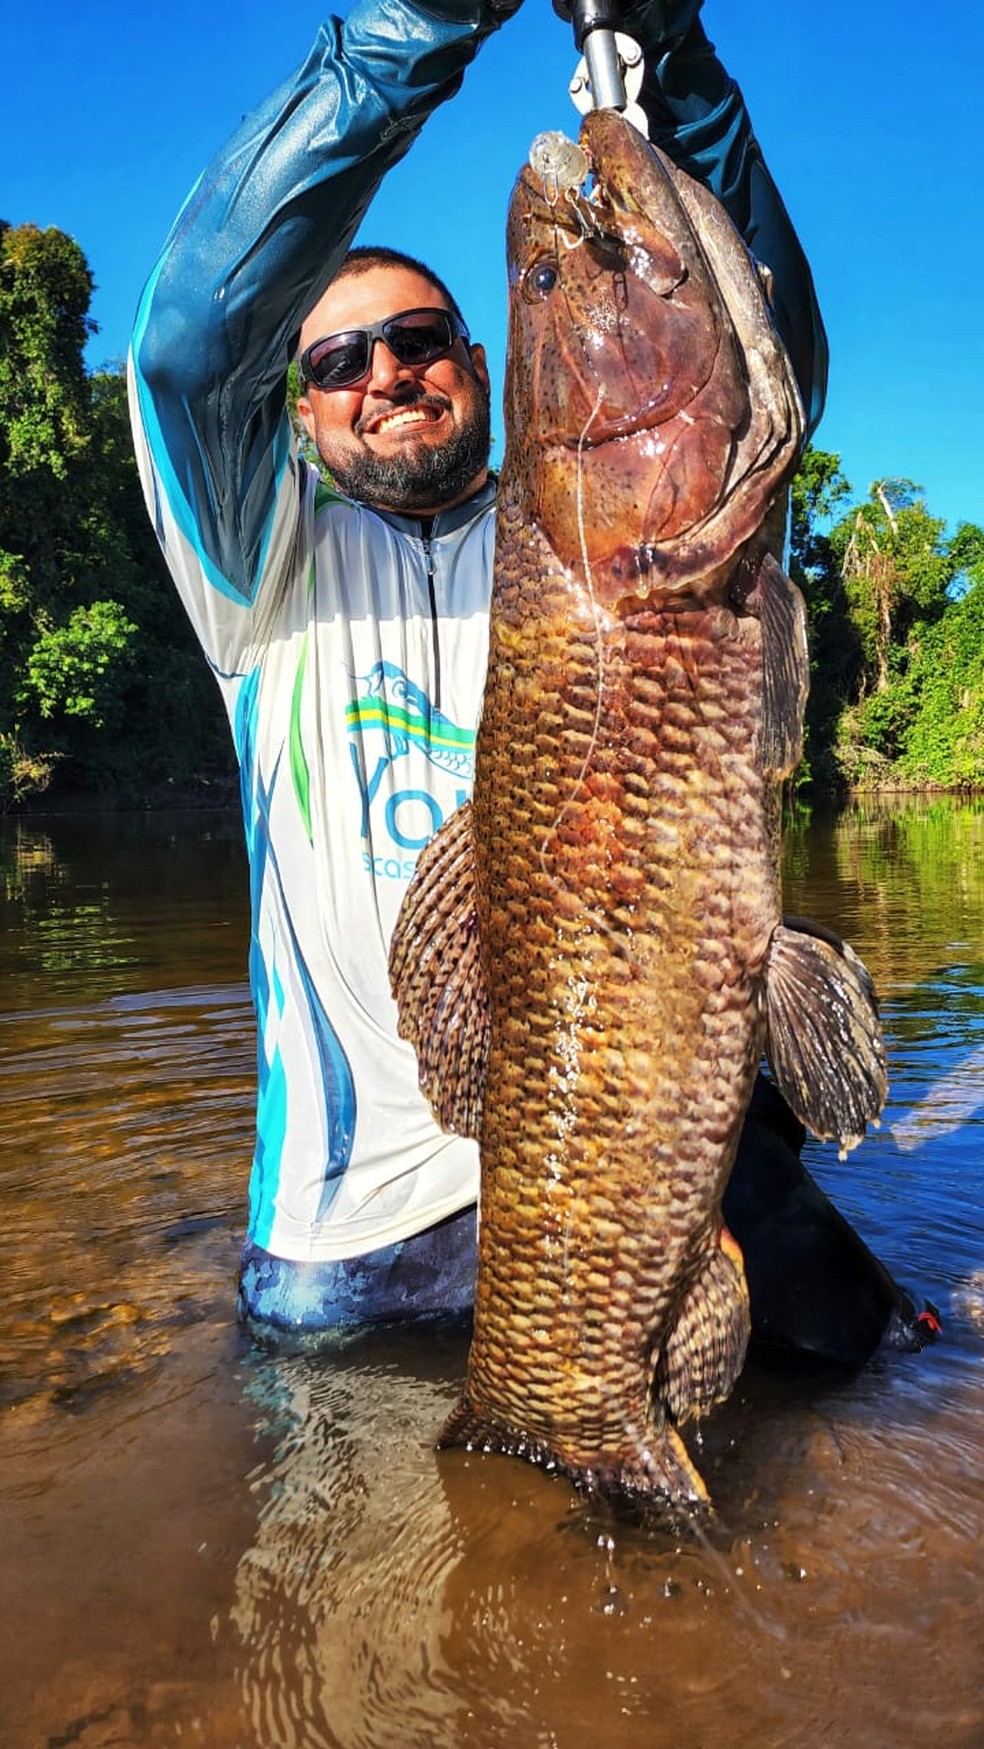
(655, 1468)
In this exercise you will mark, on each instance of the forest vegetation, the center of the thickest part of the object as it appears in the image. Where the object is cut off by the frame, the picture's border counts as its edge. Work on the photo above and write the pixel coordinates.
(105, 698)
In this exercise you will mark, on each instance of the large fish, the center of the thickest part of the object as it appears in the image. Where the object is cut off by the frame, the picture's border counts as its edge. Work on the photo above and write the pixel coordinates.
(591, 956)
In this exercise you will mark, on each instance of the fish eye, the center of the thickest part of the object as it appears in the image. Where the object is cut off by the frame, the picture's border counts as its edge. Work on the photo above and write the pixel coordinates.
(540, 280)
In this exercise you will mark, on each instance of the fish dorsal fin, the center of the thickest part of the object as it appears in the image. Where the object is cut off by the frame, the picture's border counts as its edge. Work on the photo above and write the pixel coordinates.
(437, 977)
(824, 1040)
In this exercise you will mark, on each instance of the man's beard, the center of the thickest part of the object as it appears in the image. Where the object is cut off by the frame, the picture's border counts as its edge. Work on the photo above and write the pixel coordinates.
(419, 476)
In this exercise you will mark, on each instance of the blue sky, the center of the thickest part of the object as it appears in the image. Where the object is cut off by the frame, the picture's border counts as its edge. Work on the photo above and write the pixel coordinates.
(868, 114)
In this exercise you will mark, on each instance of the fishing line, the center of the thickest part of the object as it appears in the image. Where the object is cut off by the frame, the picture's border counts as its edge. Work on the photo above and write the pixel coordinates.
(597, 917)
(562, 168)
(582, 535)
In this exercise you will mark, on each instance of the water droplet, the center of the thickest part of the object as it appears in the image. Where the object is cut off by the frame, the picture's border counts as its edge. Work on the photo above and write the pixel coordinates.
(612, 1601)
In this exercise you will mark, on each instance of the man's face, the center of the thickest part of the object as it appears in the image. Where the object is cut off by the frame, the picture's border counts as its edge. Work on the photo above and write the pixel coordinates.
(409, 438)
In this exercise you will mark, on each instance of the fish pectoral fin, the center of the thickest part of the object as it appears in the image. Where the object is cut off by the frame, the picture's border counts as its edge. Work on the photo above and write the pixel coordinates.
(824, 1040)
(437, 978)
(780, 608)
(704, 1353)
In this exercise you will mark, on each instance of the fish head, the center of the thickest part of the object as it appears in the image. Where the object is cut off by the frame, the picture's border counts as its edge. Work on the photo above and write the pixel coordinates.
(652, 417)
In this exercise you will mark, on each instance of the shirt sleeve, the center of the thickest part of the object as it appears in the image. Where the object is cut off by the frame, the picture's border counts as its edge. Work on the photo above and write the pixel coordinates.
(697, 116)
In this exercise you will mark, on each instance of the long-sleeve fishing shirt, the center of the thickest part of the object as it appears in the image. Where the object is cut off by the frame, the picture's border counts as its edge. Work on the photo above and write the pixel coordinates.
(351, 649)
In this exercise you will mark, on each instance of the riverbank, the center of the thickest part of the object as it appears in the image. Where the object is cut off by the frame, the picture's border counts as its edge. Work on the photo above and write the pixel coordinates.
(222, 792)
(215, 792)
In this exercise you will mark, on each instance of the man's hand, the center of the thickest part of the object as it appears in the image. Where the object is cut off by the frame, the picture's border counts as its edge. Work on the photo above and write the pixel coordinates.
(660, 23)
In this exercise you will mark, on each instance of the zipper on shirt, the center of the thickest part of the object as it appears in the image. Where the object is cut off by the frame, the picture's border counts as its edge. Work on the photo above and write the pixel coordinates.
(432, 598)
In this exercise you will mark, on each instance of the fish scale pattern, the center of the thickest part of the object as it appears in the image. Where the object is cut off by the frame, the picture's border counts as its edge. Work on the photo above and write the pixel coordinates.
(620, 918)
(627, 893)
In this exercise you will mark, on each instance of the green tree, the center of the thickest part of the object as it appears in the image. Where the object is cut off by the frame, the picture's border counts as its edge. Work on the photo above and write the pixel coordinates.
(896, 571)
(93, 644)
(819, 490)
(897, 660)
(45, 291)
(944, 742)
(69, 666)
(58, 551)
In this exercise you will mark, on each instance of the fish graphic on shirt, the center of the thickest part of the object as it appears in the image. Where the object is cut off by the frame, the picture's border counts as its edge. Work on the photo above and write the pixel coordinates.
(391, 703)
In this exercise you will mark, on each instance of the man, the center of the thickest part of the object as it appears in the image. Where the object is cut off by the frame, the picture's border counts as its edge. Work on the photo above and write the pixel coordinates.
(405, 437)
(347, 625)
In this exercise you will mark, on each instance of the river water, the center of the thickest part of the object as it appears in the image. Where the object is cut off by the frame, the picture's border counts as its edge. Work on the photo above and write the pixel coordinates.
(204, 1543)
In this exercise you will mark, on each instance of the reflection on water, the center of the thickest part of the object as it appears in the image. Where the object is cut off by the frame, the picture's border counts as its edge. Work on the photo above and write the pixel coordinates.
(392, 1597)
(206, 1543)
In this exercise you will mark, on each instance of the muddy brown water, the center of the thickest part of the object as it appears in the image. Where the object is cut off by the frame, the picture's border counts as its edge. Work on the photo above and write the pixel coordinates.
(203, 1543)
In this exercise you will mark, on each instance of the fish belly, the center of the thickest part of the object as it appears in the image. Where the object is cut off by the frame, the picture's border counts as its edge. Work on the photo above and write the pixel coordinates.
(627, 890)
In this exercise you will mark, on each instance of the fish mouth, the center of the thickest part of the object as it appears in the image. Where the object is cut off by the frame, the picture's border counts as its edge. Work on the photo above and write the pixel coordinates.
(599, 431)
(614, 286)
(603, 426)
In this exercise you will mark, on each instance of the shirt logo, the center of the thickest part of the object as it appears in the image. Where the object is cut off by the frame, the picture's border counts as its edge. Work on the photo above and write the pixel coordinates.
(404, 714)
(392, 706)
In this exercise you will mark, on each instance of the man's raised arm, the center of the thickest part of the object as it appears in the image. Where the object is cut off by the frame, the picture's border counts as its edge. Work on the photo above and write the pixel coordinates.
(255, 244)
(697, 116)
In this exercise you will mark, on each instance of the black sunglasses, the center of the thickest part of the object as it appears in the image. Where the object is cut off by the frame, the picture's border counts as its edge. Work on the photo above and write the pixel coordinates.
(413, 337)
